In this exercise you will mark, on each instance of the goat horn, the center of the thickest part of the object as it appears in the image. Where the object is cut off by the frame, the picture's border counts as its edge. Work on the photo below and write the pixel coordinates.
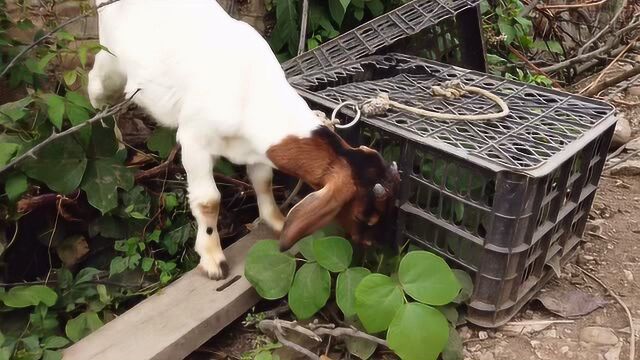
(394, 167)
(379, 190)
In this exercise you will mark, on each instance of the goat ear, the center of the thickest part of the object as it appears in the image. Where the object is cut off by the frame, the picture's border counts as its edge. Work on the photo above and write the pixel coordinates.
(312, 213)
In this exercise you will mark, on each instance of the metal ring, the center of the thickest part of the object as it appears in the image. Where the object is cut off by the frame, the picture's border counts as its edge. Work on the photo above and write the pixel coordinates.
(335, 112)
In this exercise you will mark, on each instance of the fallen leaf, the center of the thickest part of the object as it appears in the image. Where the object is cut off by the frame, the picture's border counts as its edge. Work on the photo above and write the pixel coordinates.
(72, 250)
(570, 303)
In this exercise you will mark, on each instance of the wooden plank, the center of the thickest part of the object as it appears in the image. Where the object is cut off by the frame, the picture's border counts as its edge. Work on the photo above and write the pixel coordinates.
(177, 320)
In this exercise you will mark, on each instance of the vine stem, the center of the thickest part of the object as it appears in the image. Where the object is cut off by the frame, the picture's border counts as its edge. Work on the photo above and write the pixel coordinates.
(54, 136)
(31, 46)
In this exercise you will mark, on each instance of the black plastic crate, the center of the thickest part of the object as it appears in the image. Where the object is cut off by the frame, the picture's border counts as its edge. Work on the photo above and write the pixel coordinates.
(443, 30)
(505, 199)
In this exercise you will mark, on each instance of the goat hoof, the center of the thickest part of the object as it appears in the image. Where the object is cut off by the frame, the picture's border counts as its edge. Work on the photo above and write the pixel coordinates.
(215, 271)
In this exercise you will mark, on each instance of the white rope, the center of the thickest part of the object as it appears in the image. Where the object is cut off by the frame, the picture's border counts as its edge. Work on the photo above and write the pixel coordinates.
(452, 89)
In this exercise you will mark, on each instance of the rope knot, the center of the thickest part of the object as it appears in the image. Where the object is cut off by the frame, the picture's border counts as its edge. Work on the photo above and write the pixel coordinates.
(450, 89)
(377, 105)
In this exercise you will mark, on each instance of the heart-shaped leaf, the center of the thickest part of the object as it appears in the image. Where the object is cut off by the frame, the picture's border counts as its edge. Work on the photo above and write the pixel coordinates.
(333, 253)
(418, 332)
(378, 299)
(346, 286)
(70, 163)
(467, 286)
(25, 296)
(454, 348)
(310, 290)
(269, 270)
(359, 347)
(82, 325)
(427, 278)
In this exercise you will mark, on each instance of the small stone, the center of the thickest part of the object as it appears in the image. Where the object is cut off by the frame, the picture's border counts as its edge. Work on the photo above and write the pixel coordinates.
(634, 144)
(465, 333)
(570, 355)
(634, 90)
(628, 275)
(487, 356)
(627, 168)
(564, 350)
(622, 133)
(598, 335)
(614, 352)
(551, 333)
(483, 335)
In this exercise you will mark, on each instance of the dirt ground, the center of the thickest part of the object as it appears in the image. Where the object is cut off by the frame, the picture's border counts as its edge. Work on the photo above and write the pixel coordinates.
(610, 251)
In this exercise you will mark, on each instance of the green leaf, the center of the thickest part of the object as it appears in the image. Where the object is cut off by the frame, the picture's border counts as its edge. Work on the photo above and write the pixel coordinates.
(377, 300)
(418, 332)
(63, 35)
(170, 201)
(338, 8)
(52, 355)
(507, 29)
(466, 284)
(346, 286)
(25, 296)
(286, 30)
(44, 61)
(118, 265)
(102, 180)
(454, 348)
(76, 114)
(1, 338)
(82, 325)
(15, 186)
(70, 77)
(306, 247)
(269, 270)
(78, 99)
(427, 278)
(333, 253)
(70, 163)
(55, 342)
(310, 290)
(358, 13)
(55, 110)
(147, 263)
(450, 313)
(375, 6)
(7, 151)
(162, 141)
(552, 46)
(224, 167)
(176, 238)
(86, 275)
(15, 110)
(359, 347)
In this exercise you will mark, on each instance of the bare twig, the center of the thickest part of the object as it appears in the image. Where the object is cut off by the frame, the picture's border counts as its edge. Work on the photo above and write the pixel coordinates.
(99, 116)
(342, 331)
(606, 69)
(632, 337)
(277, 325)
(161, 169)
(570, 6)
(596, 89)
(578, 59)
(533, 67)
(295, 346)
(527, 9)
(13, 61)
(303, 26)
(605, 30)
(627, 157)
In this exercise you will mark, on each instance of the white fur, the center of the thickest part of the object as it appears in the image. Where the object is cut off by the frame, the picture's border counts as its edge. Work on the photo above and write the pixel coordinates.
(212, 77)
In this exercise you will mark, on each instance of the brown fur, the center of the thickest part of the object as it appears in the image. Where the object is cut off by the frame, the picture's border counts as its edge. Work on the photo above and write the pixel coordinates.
(343, 177)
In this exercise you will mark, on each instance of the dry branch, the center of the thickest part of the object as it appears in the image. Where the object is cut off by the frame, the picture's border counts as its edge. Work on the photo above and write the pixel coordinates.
(596, 89)
(55, 136)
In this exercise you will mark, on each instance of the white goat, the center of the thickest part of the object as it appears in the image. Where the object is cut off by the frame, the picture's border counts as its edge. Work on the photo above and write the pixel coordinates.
(217, 81)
